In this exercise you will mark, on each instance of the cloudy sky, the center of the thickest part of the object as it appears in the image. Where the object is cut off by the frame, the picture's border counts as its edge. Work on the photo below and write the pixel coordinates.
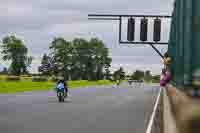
(37, 22)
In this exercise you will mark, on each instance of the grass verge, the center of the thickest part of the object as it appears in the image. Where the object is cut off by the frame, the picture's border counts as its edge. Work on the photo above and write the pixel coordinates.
(28, 85)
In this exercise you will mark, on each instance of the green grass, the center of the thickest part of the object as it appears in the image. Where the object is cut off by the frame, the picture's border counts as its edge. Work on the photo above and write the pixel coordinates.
(28, 85)
(155, 81)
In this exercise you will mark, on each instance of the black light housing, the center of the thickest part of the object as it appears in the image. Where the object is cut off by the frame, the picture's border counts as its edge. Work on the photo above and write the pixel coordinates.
(157, 30)
(131, 29)
(143, 29)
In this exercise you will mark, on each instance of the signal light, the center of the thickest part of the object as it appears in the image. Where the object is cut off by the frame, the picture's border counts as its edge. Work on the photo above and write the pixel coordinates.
(157, 30)
(143, 29)
(131, 29)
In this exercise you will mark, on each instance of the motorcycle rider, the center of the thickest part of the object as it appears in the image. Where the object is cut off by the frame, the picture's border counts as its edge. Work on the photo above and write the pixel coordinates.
(62, 85)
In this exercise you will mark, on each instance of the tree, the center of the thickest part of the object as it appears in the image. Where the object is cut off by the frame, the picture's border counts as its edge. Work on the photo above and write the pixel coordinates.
(122, 73)
(81, 59)
(137, 75)
(62, 52)
(116, 75)
(94, 56)
(14, 50)
(100, 57)
(147, 76)
(107, 70)
(46, 67)
(119, 74)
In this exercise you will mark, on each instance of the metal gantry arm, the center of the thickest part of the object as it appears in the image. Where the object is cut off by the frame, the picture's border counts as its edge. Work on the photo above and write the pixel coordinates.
(157, 51)
(119, 19)
(127, 15)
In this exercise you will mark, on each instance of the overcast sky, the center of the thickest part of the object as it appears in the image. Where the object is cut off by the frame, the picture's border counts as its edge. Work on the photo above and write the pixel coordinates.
(37, 22)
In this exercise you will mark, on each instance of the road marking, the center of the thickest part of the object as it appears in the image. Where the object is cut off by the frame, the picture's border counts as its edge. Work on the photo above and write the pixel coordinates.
(149, 128)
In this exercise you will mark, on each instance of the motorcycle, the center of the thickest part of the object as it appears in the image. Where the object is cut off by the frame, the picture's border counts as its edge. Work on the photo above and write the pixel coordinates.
(61, 94)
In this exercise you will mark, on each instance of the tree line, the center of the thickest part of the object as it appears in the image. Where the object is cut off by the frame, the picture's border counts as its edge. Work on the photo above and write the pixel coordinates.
(78, 59)
(136, 75)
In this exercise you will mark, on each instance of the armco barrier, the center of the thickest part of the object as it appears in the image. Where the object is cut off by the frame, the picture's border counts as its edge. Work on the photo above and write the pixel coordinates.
(169, 123)
(181, 113)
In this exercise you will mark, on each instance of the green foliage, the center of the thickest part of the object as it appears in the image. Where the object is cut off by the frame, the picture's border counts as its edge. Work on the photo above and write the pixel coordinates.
(119, 74)
(54, 79)
(14, 50)
(39, 79)
(13, 78)
(147, 76)
(156, 79)
(81, 59)
(137, 75)
(46, 65)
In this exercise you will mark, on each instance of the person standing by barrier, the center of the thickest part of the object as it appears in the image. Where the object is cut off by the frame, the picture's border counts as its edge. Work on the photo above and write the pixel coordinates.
(166, 75)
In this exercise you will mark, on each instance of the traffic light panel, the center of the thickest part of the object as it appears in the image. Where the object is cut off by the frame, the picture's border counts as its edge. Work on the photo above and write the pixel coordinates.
(131, 29)
(157, 30)
(143, 29)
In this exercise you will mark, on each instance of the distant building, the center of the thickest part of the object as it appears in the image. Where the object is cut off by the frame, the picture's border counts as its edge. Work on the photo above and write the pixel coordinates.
(1, 67)
(3, 70)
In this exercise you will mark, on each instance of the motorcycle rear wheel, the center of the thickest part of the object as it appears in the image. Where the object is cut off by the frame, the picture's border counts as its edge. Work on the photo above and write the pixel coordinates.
(60, 99)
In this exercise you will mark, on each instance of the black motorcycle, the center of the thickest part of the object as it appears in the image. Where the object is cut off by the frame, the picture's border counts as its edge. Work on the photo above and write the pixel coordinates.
(61, 94)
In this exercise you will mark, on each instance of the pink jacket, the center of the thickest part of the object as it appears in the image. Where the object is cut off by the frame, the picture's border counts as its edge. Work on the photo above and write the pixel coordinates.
(166, 78)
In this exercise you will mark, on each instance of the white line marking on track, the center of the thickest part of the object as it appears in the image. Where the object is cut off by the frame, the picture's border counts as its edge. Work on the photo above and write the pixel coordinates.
(149, 128)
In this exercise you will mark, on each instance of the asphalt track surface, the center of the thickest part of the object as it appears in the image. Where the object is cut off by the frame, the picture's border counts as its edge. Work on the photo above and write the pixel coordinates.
(124, 109)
